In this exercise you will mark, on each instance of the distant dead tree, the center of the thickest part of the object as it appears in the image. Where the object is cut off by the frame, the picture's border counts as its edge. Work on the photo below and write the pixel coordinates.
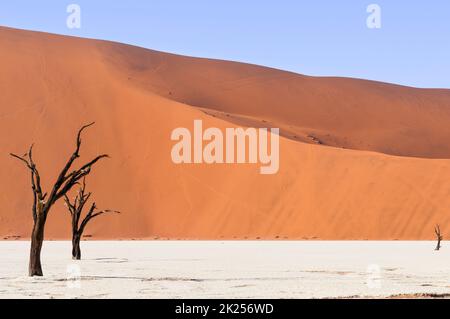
(43, 203)
(76, 209)
(439, 237)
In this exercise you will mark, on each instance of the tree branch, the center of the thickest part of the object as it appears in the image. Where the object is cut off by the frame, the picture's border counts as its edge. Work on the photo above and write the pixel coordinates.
(65, 182)
(38, 198)
(90, 215)
(20, 158)
(76, 176)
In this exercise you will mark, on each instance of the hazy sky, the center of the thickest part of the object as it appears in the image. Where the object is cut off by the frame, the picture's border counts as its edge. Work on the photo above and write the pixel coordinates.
(320, 37)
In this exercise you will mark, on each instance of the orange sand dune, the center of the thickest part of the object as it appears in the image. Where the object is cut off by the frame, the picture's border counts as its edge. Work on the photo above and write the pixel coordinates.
(355, 189)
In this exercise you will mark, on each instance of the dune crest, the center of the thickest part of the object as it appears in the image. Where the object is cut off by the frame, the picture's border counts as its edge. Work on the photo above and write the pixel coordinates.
(358, 159)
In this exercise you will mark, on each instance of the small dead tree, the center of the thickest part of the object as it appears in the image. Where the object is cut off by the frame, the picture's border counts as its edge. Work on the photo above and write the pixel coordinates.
(439, 237)
(43, 203)
(76, 209)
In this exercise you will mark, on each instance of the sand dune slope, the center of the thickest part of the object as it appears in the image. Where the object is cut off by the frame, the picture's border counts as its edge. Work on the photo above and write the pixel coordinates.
(341, 112)
(51, 85)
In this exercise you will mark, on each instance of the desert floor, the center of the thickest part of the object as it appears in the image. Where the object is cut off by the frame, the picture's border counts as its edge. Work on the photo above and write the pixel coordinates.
(235, 269)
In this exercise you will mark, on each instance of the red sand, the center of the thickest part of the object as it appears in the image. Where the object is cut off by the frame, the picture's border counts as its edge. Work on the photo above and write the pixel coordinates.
(348, 187)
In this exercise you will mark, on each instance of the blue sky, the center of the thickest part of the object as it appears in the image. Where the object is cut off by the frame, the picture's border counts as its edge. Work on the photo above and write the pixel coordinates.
(320, 37)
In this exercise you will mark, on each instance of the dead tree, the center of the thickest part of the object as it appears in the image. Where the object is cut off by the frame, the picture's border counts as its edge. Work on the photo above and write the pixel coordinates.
(439, 237)
(76, 209)
(43, 203)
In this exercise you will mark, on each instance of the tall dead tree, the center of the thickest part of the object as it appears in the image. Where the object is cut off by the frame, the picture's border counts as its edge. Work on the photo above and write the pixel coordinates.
(76, 209)
(437, 231)
(43, 203)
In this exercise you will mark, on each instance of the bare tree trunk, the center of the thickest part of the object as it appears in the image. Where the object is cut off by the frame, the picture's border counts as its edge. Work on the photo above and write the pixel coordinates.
(76, 251)
(37, 238)
(438, 246)
(439, 237)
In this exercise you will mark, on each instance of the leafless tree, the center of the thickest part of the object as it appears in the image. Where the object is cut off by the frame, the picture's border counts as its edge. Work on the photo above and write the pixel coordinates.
(76, 209)
(43, 203)
(439, 237)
